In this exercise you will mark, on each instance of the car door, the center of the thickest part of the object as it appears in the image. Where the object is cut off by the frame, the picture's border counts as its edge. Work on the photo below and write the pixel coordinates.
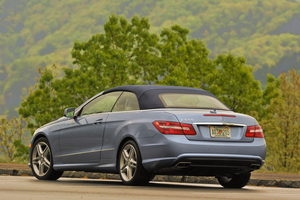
(120, 122)
(81, 137)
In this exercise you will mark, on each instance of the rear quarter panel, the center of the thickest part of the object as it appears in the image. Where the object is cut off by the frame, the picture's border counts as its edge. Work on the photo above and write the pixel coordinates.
(135, 125)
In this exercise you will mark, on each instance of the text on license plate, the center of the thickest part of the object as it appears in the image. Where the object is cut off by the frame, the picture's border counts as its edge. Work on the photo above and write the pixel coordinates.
(220, 131)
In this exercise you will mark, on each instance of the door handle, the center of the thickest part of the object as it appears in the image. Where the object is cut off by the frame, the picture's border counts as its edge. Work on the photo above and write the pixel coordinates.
(98, 121)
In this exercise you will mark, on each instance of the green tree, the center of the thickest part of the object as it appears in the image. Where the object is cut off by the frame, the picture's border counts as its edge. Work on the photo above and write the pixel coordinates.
(183, 62)
(234, 84)
(282, 125)
(270, 92)
(41, 105)
(21, 150)
(11, 131)
(126, 53)
(38, 34)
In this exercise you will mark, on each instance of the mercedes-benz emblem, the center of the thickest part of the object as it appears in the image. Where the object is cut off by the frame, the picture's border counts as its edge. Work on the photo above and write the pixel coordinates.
(221, 119)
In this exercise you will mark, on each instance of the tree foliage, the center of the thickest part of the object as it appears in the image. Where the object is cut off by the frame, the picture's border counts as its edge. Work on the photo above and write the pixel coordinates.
(270, 92)
(182, 62)
(124, 53)
(282, 125)
(41, 101)
(38, 33)
(234, 83)
(11, 131)
(127, 53)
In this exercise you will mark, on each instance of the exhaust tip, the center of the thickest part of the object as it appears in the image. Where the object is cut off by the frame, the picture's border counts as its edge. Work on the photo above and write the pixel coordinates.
(183, 164)
(254, 166)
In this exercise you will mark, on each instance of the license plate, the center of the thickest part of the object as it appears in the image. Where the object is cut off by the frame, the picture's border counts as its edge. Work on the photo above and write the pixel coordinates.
(220, 131)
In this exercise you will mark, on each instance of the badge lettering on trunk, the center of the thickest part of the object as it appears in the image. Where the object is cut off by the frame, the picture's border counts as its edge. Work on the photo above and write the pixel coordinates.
(187, 120)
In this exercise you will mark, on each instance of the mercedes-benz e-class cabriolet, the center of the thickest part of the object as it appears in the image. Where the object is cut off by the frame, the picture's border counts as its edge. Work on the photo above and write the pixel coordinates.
(139, 131)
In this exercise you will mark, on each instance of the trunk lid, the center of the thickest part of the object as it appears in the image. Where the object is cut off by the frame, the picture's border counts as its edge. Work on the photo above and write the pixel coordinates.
(225, 126)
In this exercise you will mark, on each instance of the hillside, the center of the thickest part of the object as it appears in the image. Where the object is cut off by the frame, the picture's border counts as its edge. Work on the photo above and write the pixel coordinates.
(42, 32)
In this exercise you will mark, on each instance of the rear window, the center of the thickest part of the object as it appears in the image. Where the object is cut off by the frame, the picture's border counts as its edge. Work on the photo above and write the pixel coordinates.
(177, 100)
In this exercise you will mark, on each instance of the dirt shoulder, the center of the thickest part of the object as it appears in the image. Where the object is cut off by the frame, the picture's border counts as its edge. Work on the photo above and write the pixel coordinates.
(275, 176)
(14, 166)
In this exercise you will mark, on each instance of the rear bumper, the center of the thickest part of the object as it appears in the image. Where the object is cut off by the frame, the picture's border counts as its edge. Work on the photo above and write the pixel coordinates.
(162, 154)
(204, 164)
(219, 159)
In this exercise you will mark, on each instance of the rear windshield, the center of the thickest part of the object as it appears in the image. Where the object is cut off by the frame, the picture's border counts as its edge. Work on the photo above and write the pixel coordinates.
(177, 100)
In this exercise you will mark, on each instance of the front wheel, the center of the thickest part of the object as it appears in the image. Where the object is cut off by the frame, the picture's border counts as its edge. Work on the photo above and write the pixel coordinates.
(41, 161)
(131, 169)
(236, 181)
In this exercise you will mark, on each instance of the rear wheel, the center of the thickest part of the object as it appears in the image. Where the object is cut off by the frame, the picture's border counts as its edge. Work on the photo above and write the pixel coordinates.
(131, 169)
(236, 181)
(41, 161)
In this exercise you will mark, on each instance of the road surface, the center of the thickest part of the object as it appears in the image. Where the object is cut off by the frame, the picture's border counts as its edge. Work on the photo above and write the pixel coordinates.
(18, 187)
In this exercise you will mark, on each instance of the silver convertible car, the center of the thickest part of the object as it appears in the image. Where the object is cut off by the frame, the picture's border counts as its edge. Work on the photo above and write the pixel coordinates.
(139, 131)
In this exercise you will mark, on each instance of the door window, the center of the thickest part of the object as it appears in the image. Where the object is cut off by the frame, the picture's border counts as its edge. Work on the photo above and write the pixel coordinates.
(101, 104)
(126, 102)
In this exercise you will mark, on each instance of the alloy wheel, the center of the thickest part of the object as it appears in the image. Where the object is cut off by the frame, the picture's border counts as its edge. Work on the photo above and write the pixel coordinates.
(128, 162)
(41, 158)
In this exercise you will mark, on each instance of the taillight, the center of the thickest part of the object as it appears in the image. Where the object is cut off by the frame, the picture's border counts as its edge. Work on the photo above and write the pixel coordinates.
(254, 131)
(174, 128)
(188, 129)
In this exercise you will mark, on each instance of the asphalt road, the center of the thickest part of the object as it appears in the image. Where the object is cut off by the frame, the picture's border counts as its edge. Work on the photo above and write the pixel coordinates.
(18, 187)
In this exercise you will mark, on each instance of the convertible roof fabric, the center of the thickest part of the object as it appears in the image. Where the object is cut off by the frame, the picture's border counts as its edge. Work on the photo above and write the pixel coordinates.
(148, 94)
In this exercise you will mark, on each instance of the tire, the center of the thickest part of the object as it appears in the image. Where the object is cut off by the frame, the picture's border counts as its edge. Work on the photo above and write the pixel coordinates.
(236, 181)
(131, 169)
(41, 161)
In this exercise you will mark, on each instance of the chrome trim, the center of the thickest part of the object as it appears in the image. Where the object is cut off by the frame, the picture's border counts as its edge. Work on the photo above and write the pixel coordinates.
(108, 149)
(72, 154)
(219, 123)
(183, 164)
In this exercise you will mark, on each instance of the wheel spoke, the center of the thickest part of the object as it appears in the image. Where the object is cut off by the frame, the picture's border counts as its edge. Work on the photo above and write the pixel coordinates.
(46, 151)
(131, 153)
(129, 173)
(47, 163)
(125, 155)
(41, 169)
(124, 170)
(39, 149)
(133, 163)
(35, 161)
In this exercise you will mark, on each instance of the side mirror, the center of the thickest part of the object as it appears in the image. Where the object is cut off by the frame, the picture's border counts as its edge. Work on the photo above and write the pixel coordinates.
(69, 112)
